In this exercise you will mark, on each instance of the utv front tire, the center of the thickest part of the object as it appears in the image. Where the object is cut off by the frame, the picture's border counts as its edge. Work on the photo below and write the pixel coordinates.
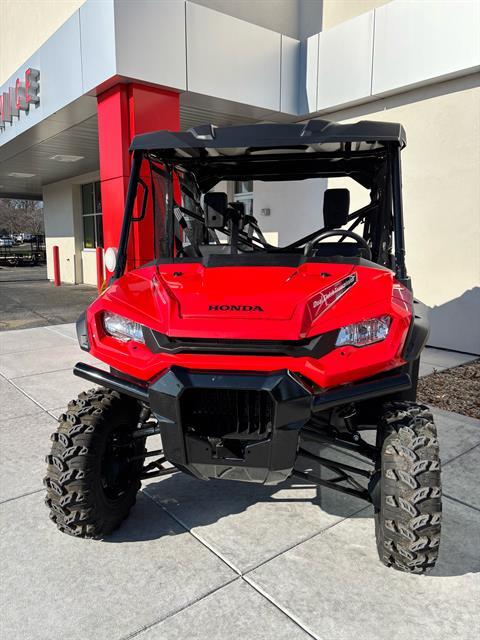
(407, 522)
(91, 479)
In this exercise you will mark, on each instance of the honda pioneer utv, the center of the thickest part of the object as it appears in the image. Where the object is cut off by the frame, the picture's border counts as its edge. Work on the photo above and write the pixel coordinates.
(257, 362)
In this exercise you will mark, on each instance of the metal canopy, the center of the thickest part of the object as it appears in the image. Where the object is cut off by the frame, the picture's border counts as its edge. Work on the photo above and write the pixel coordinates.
(315, 135)
(24, 174)
(32, 154)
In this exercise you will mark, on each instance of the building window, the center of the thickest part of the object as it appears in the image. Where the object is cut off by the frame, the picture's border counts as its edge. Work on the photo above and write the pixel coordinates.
(243, 192)
(92, 215)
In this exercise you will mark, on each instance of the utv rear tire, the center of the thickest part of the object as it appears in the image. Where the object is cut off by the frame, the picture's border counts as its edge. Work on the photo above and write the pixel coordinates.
(91, 482)
(407, 523)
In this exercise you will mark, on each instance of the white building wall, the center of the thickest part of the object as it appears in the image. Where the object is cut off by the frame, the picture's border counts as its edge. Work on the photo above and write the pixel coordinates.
(295, 208)
(282, 16)
(223, 58)
(26, 25)
(420, 41)
(338, 11)
(18, 40)
(393, 48)
(62, 229)
(89, 265)
(345, 72)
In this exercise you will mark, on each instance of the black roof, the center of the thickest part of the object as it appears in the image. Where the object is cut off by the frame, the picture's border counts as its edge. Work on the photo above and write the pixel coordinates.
(315, 135)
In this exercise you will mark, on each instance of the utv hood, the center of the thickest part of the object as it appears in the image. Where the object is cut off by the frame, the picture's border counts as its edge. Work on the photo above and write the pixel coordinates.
(269, 303)
(246, 293)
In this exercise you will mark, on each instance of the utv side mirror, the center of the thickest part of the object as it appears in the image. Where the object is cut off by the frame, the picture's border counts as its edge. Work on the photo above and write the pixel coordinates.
(336, 204)
(216, 205)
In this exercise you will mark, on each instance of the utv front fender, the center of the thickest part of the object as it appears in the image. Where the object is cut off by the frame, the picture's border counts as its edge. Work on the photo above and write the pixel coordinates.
(418, 333)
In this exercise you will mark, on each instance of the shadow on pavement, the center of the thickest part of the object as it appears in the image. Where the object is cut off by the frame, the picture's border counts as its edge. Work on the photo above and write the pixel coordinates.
(195, 503)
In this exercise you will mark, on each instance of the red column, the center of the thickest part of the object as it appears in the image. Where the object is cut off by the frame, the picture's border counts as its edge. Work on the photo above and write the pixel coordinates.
(56, 266)
(100, 280)
(124, 111)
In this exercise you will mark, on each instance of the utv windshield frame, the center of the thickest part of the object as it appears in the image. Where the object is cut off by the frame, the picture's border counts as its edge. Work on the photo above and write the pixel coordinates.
(368, 152)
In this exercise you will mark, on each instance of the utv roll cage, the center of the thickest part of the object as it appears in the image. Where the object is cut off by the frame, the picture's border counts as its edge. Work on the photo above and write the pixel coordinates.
(197, 160)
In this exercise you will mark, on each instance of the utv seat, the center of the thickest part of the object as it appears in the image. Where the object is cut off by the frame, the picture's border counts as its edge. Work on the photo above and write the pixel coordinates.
(336, 204)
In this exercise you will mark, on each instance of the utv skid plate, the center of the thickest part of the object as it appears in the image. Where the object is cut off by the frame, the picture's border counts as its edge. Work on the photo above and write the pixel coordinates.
(250, 427)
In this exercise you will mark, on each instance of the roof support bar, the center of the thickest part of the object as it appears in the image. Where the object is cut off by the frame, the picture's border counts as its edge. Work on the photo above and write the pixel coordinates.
(398, 215)
(128, 212)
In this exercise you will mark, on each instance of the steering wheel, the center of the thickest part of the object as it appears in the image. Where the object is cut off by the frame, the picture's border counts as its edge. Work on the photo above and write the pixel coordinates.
(310, 246)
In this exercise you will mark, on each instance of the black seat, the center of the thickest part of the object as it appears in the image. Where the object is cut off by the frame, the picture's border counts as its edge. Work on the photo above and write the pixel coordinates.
(336, 204)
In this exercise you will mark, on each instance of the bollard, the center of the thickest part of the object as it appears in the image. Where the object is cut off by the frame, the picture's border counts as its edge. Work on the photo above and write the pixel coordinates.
(100, 277)
(56, 266)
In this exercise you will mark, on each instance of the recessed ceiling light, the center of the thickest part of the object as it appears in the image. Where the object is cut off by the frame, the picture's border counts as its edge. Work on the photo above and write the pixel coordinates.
(17, 174)
(63, 158)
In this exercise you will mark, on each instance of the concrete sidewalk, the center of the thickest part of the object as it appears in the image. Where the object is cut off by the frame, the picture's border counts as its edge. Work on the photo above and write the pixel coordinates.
(216, 560)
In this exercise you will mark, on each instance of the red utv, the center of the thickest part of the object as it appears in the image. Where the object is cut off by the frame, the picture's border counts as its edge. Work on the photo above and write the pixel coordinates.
(256, 362)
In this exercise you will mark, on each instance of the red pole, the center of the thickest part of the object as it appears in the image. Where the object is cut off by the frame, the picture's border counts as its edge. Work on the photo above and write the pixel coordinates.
(56, 267)
(100, 277)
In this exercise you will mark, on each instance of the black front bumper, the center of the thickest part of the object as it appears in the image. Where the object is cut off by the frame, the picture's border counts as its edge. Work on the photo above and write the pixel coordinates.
(230, 425)
(238, 426)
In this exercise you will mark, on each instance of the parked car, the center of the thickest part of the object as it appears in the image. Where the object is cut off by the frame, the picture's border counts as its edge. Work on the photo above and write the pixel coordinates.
(6, 242)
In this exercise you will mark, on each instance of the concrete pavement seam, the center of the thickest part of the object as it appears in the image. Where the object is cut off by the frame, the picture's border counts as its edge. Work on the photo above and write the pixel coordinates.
(444, 464)
(245, 577)
(51, 327)
(307, 539)
(41, 373)
(140, 630)
(228, 562)
(465, 504)
(26, 395)
(192, 533)
(23, 495)
(285, 612)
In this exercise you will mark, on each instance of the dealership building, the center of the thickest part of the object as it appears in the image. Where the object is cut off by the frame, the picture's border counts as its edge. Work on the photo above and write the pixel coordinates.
(78, 79)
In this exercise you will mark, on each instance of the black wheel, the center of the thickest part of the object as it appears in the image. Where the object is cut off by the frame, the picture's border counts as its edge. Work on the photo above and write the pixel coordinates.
(92, 480)
(407, 522)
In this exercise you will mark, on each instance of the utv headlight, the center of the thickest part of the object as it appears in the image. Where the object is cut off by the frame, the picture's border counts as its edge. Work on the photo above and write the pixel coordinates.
(122, 328)
(363, 333)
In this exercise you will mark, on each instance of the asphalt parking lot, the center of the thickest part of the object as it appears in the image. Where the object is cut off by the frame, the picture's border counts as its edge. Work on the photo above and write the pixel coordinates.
(216, 560)
(28, 299)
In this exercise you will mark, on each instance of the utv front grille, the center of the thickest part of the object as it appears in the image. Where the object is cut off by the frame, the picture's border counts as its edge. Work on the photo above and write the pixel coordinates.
(227, 413)
(315, 347)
